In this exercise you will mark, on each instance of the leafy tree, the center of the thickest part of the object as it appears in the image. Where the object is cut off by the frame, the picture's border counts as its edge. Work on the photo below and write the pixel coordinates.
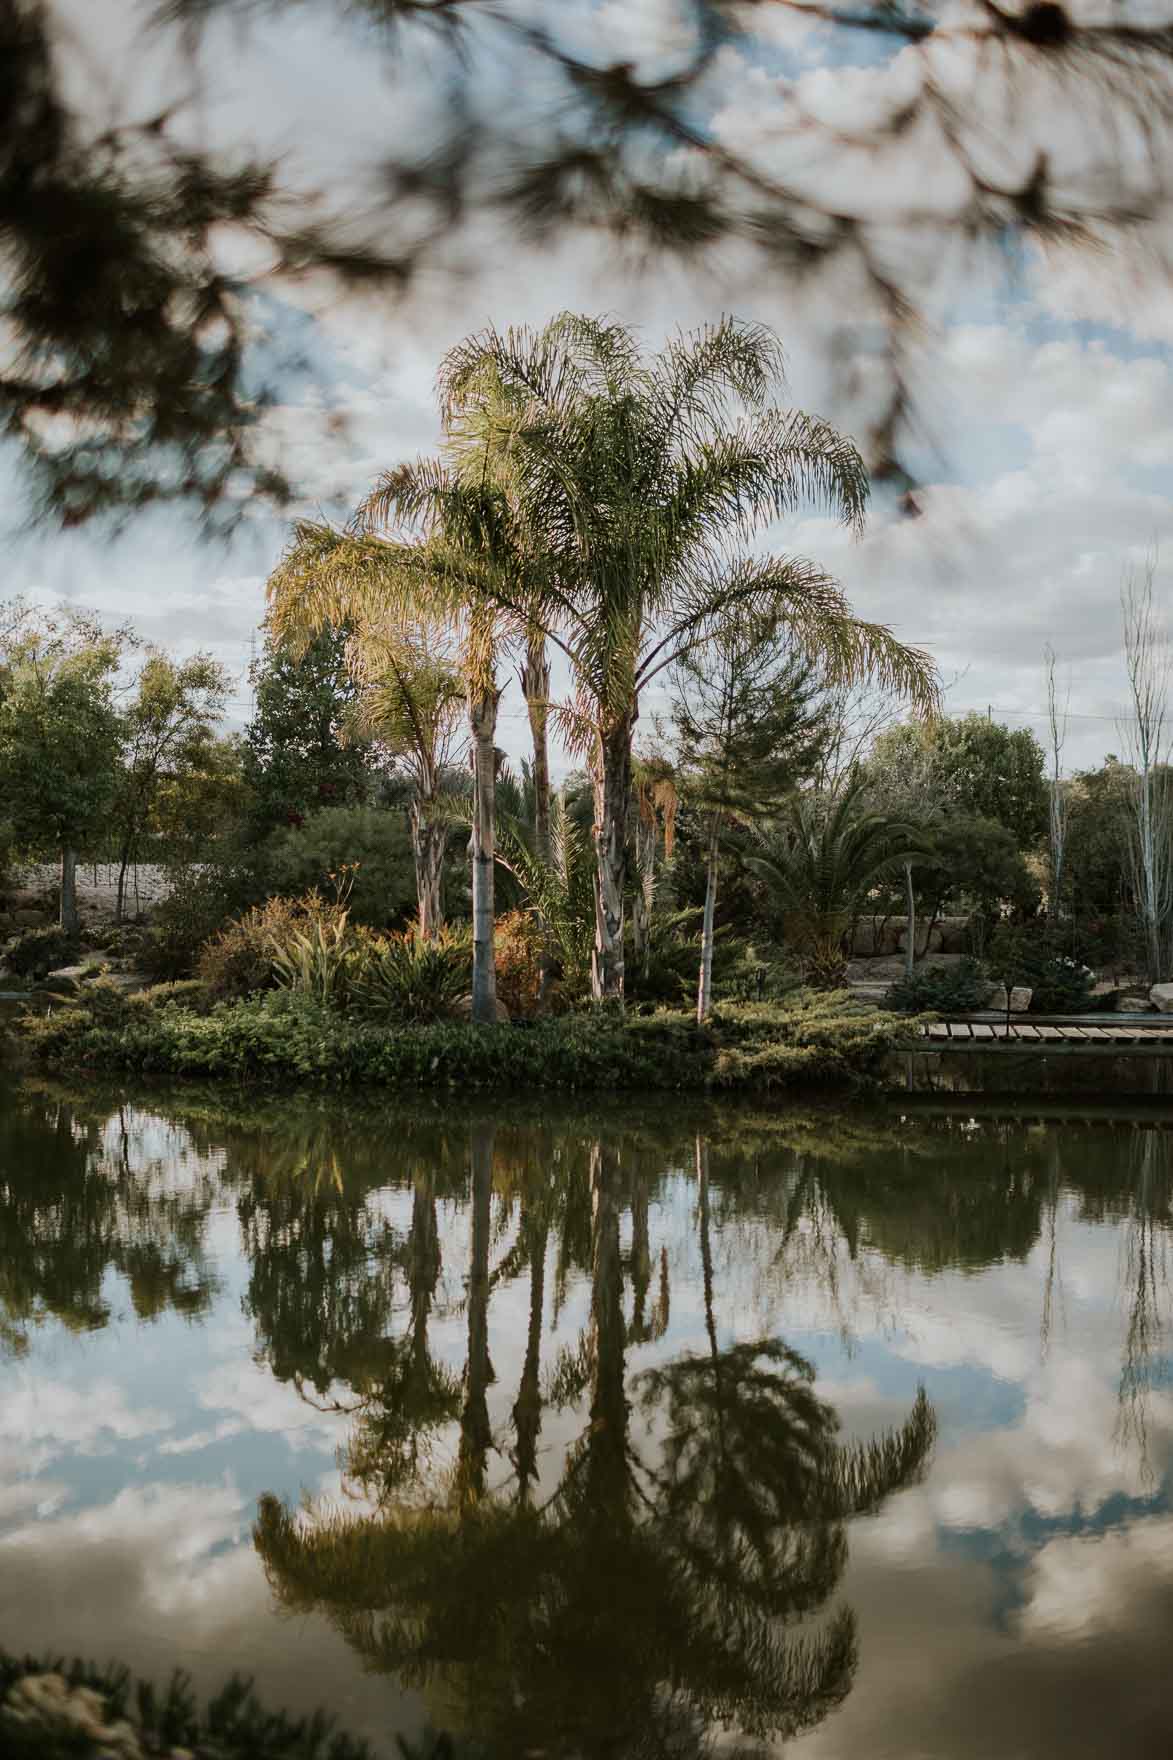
(748, 727)
(985, 770)
(167, 729)
(634, 483)
(298, 755)
(60, 736)
(1096, 854)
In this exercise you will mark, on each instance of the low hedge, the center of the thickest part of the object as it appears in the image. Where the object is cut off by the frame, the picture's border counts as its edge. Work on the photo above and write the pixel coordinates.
(810, 1040)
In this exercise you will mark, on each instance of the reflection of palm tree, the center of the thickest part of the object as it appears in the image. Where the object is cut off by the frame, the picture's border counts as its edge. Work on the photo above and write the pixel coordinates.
(518, 1611)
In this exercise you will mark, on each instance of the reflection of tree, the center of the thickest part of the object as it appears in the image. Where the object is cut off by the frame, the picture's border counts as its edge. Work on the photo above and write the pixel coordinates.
(1148, 1208)
(75, 1205)
(649, 1597)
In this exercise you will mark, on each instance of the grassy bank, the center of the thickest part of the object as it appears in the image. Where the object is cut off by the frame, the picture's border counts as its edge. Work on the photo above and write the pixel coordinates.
(810, 1040)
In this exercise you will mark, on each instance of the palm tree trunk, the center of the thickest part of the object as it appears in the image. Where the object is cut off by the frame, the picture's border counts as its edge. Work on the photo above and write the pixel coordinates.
(535, 685)
(475, 1431)
(910, 903)
(641, 904)
(612, 785)
(704, 1000)
(69, 919)
(429, 840)
(527, 1411)
(482, 715)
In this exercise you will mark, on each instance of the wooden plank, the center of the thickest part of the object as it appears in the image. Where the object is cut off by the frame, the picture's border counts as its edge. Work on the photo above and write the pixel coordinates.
(1023, 1030)
(981, 1031)
(937, 1030)
(959, 1030)
(1076, 1033)
(1095, 1033)
(1049, 1033)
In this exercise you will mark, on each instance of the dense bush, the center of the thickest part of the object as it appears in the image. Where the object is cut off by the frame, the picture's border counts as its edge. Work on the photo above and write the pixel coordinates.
(37, 952)
(814, 1039)
(1030, 954)
(406, 980)
(200, 902)
(240, 958)
(517, 948)
(940, 989)
(371, 845)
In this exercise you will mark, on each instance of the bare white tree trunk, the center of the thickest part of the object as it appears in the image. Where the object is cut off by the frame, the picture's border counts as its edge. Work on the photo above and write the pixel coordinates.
(910, 912)
(1058, 725)
(704, 999)
(482, 715)
(1145, 738)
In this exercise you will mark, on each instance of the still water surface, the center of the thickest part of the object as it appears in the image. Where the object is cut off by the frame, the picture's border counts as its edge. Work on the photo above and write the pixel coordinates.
(604, 1431)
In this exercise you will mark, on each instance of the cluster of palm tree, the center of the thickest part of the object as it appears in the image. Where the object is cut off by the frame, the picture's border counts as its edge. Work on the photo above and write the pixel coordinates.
(596, 503)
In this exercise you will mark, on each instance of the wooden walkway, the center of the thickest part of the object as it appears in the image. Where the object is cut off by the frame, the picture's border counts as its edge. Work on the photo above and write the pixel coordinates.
(1112, 1035)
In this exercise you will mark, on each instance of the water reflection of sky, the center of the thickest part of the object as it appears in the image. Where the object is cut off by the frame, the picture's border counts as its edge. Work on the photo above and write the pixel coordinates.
(1018, 1601)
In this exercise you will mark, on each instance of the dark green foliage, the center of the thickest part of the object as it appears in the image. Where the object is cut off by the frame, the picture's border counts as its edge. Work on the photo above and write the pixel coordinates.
(201, 901)
(811, 1040)
(985, 770)
(940, 988)
(297, 758)
(370, 845)
(39, 951)
(408, 980)
(233, 1726)
(1030, 954)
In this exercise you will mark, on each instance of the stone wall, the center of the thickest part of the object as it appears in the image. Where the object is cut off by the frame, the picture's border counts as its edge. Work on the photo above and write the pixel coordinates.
(880, 938)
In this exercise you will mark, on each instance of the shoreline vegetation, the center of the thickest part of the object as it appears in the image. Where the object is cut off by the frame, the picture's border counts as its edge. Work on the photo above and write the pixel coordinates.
(809, 1040)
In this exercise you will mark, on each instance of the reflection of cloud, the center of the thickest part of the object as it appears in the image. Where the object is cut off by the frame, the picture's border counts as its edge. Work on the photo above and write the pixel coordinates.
(201, 1439)
(165, 1575)
(1085, 1583)
(249, 1391)
(48, 1417)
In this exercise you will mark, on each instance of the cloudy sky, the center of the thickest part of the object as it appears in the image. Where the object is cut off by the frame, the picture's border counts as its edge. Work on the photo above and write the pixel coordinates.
(1044, 421)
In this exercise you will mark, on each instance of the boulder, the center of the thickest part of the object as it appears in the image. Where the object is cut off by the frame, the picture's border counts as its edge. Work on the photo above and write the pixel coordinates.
(1019, 998)
(1161, 997)
(462, 1010)
(127, 982)
(1134, 1003)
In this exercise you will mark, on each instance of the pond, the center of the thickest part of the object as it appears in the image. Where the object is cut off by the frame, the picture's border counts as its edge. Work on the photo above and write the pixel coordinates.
(599, 1430)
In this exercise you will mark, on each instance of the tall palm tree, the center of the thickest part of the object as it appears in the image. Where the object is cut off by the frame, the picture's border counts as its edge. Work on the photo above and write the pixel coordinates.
(827, 852)
(635, 481)
(458, 564)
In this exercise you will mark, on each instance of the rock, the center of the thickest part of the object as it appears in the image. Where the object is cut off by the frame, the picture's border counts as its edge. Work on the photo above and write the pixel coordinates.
(1134, 1004)
(66, 980)
(1020, 997)
(127, 982)
(46, 1706)
(1161, 997)
(27, 918)
(462, 1010)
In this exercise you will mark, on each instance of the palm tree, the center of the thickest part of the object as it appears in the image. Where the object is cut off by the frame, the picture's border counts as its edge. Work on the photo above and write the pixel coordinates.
(829, 850)
(461, 568)
(634, 481)
(412, 701)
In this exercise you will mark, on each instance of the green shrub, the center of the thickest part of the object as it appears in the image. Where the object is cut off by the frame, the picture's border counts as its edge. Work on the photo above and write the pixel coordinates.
(941, 989)
(40, 951)
(240, 958)
(405, 979)
(200, 902)
(1030, 954)
(814, 1039)
(371, 845)
(315, 960)
(757, 974)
